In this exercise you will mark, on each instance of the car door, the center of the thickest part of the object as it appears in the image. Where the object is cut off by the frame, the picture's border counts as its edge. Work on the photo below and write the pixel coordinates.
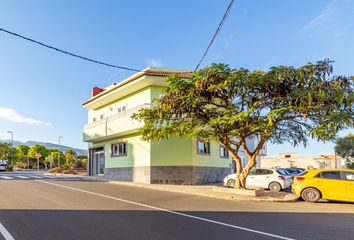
(259, 178)
(331, 185)
(250, 181)
(349, 179)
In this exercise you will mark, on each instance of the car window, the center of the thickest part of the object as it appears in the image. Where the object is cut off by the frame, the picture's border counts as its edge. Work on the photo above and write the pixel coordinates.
(263, 172)
(330, 175)
(282, 172)
(252, 172)
(348, 176)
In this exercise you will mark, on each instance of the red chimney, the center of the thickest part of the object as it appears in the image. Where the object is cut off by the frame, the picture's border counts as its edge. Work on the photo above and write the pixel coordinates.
(96, 90)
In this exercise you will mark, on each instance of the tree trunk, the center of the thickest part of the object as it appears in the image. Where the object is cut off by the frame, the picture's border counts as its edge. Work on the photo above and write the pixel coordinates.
(243, 176)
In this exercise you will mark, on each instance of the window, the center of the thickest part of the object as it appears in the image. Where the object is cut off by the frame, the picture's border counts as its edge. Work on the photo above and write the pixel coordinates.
(329, 175)
(223, 152)
(287, 156)
(94, 119)
(203, 147)
(263, 172)
(124, 108)
(349, 176)
(102, 116)
(119, 149)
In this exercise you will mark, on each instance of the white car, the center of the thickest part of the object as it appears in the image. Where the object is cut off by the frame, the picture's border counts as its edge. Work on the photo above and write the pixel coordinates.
(3, 165)
(266, 178)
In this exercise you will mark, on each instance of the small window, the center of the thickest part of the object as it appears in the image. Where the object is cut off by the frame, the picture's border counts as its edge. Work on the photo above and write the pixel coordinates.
(124, 108)
(102, 116)
(223, 152)
(330, 175)
(94, 119)
(119, 110)
(349, 176)
(119, 149)
(203, 147)
(263, 172)
(288, 156)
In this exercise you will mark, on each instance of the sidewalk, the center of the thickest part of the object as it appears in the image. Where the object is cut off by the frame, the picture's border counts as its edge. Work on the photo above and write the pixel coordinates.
(215, 191)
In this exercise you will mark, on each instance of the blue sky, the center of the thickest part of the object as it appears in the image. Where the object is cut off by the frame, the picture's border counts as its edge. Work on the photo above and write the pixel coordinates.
(42, 91)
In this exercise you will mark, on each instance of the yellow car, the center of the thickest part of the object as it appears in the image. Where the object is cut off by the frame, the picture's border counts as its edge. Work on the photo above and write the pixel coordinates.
(336, 184)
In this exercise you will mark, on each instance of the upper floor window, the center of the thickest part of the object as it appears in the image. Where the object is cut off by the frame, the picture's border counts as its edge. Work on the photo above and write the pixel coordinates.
(101, 116)
(223, 152)
(203, 147)
(119, 149)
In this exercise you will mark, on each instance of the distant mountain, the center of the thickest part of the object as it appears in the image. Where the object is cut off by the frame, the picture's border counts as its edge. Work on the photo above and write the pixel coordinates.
(47, 145)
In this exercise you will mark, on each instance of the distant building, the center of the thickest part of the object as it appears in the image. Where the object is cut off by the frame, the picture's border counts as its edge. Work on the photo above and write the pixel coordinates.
(287, 160)
(117, 150)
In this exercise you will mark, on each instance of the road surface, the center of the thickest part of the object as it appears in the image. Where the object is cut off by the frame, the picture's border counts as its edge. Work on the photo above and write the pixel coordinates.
(78, 209)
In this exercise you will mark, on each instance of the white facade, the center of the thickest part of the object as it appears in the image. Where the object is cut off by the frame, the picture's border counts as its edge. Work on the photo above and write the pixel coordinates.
(291, 159)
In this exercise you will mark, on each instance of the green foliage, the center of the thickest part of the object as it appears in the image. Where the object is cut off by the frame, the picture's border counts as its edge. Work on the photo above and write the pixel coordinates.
(345, 148)
(71, 158)
(284, 104)
(38, 149)
(5, 151)
(22, 150)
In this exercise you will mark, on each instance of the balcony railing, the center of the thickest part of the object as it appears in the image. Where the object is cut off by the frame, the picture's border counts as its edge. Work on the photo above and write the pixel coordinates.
(115, 125)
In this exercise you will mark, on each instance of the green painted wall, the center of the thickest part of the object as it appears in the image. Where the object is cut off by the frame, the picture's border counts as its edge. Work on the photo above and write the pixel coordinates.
(138, 152)
(212, 160)
(171, 152)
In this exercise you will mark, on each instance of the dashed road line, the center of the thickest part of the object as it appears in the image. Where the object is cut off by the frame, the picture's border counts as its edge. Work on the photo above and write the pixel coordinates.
(6, 177)
(170, 211)
(5, 233)
(23, 177)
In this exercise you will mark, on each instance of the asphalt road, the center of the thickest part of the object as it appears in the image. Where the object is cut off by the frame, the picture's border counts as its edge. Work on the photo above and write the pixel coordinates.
(55, 209)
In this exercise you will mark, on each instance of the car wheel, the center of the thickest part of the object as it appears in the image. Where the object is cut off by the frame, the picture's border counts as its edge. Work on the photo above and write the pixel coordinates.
(274, 187)
(311, 195)
(230, 183)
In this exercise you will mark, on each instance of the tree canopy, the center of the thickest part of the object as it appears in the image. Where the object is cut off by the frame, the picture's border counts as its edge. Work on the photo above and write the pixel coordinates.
(345, 148)
(284, 104)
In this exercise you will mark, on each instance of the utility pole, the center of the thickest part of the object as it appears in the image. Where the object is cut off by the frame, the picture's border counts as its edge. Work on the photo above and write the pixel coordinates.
(59, 150)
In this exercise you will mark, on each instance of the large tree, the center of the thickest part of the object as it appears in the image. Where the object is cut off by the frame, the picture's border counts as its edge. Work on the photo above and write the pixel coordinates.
(345, 148)
(284, 104)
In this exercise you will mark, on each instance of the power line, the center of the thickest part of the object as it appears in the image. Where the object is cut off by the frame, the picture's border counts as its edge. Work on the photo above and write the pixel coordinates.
(69, 53)
(216, 32)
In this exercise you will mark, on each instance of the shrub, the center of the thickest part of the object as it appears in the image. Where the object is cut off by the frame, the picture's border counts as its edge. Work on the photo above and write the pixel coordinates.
(70, 171)
(56, 170)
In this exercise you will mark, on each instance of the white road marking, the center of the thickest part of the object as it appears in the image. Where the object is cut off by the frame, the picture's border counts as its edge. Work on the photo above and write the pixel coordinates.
(6, 177)
(170, 211)
(38, 177)
(23, 177)
(5, 233)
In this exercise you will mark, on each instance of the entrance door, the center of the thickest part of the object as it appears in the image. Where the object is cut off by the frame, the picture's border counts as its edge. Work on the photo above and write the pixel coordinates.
(98, 163)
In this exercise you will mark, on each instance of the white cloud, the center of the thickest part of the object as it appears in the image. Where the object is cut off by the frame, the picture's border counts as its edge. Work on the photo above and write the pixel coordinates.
(153, 62)
(330, 22)
(13, 116)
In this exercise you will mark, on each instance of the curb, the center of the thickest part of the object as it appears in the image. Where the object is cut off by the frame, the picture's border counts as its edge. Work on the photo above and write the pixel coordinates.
(234, 197)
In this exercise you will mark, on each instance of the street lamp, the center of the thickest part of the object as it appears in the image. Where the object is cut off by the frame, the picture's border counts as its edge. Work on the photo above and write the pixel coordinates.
(59, 150)
(12, 145)
(12, 138)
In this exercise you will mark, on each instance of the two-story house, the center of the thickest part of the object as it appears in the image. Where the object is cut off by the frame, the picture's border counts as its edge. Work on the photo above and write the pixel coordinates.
(116, 148)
